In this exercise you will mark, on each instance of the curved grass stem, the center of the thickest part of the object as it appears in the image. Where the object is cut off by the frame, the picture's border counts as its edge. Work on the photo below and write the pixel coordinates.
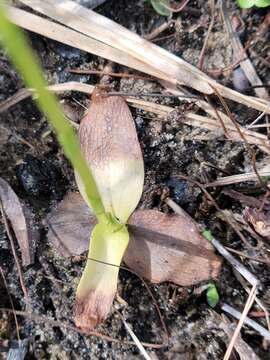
(25, 61)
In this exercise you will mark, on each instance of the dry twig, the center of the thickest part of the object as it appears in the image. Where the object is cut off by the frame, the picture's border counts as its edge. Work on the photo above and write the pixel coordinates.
(136, 340)
(207, 122)
(202, 53)
(154, 33)
(11, 303)
(257, 300)
(46, 320)
(234, 179)
(244, 350)
(243, 316)
(253, 324)
(101, 36)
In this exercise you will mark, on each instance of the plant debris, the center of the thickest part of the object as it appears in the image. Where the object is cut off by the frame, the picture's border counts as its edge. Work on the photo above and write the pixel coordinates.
(21, 220)
(162, 247)
(260, 221)
(109, 143)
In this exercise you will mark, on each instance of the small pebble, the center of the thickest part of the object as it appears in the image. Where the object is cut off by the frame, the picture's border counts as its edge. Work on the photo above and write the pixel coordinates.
(240, 82)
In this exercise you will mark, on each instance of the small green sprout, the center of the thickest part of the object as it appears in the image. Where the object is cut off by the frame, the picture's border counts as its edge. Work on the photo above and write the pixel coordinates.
(246, 4)
(162, 7)
(110, 145)
(211, 290)
(207, 234)
(212, 295)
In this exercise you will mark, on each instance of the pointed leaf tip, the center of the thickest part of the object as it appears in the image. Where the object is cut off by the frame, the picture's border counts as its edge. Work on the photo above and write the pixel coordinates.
(110, 144)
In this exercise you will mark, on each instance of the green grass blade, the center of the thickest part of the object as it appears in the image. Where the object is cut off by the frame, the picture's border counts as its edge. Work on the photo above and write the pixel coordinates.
(25, 61)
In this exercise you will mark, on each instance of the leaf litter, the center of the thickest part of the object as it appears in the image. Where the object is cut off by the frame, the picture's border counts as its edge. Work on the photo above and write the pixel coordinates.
(22, 222)
(162, 247)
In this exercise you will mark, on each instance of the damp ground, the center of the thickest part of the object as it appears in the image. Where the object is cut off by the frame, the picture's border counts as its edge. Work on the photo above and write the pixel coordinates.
(33, 164)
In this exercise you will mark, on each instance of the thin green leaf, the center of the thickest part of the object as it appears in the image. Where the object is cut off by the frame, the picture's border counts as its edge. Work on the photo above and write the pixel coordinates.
(158, 5)
(23, 58)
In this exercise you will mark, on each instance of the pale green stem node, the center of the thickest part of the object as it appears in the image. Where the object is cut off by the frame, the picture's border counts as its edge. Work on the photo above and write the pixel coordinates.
(98, 283)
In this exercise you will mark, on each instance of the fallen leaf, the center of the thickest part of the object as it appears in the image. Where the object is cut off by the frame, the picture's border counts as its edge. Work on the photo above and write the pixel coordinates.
(167, 247)
(162, 247)
(70, 224)
(260, 221)
(21, 220)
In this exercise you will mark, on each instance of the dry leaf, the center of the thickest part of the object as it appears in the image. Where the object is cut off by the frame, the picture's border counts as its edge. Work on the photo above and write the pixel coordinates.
(260, 221)
(70, 225)
(169, 248)
(161, 248)
(21, 220)
(104, 30)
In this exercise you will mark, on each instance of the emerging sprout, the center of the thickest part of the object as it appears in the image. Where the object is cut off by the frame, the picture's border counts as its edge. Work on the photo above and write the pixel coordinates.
(110, 145)
(245, 4)
(162, 7)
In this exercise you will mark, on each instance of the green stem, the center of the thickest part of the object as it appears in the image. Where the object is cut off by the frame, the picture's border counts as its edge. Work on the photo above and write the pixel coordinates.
(98, 284)
(23, 58)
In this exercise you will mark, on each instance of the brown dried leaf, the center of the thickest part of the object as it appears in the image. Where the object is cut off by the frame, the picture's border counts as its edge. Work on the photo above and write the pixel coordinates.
(21, 220)
(169, 248)
(161, 248)
(70, 225)
(260, 221)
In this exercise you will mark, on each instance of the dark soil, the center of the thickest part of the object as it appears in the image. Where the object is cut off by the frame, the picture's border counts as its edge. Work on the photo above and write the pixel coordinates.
(34, 165)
